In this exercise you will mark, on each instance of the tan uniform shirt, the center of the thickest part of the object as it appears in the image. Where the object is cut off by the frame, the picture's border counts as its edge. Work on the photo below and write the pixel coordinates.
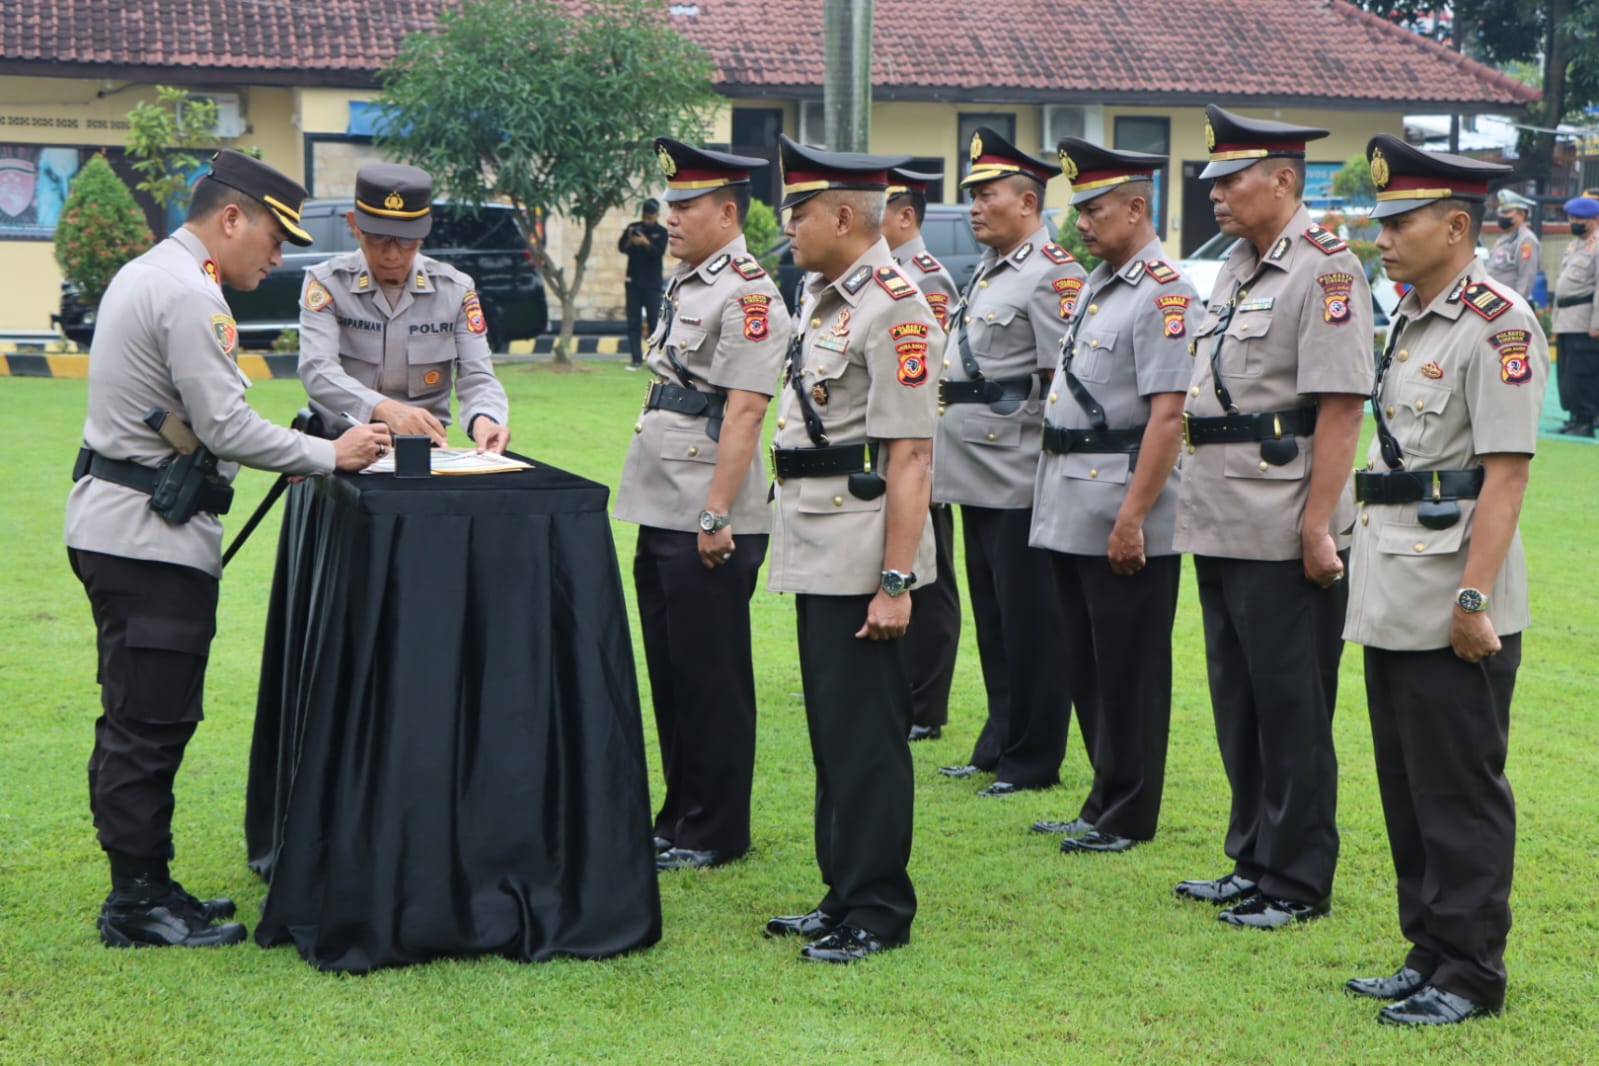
(936, 282)
(730, 330)
(356, 350)
(1579, 270)
(166, 339)
(1017, 309)
(1131, 342)
(870, 342)
(1463, 383)
(1514, 261)
(1303, 326)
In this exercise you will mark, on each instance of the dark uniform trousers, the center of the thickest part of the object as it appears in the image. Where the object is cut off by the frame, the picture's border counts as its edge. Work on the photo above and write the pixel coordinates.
(858, 708)
(153, 628)
(935, 629)
(1117, 640)
(1440, 728)
(1272, 644)
(696, 626)
(1577, 375)
(643, 303)
(1016, 605)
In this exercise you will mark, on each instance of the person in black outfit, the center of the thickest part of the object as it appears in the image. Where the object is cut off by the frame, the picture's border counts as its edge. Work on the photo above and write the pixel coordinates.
(644, 244)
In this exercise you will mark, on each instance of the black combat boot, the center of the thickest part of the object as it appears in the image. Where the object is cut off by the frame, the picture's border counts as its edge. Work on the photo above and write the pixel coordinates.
(147, 908)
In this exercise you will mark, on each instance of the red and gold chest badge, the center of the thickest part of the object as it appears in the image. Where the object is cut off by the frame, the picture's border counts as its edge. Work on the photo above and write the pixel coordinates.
(1432, 370)
(225, 333)
(910, 344)
(1068, 289)
(819, 394)
(1514, 366)
(472, 308)
(1172, 308)
(317, 296)
(841, 327)
(755, 306)
(1335, 291)
(209, 268)
(939, 302)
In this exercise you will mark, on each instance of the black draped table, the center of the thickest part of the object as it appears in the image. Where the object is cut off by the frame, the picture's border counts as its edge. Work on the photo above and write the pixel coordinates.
(448, 755)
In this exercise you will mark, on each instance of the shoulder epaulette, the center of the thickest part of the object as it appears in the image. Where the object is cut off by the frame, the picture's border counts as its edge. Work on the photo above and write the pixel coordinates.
(1056, 254)
(853, 283)
(1325, 239)
(894, 283)
(1483, 299)
(748, 268)
(1161, 271)
(926, 263)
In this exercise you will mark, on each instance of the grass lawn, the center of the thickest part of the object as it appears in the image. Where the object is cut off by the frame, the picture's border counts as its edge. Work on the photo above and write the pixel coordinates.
(1020, 954)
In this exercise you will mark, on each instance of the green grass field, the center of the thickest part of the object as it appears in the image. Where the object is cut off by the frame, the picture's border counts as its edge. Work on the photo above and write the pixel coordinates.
(1020, 954)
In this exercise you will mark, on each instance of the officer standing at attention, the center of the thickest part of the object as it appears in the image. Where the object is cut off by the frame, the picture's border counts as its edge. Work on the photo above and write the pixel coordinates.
(141, 525)
(851, 536)
(1515, 256)
(1282, 367)
(1439, 583)
(644, 244)
(1005, 342)
(1576, 319)
(384, 331)
(693, 482)
(1106, 495)
(935, 636)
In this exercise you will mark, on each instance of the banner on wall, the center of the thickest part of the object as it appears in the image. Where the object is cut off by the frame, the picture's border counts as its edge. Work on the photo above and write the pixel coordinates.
(33, 188)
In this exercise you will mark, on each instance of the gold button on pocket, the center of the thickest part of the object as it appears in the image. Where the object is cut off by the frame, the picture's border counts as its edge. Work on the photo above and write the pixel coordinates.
(1052, 397)
(983, 284)
(1420, 546)
(693, 451)
(1420, 404)
(1404, 353)
(1365, 519)
(992, 437)
(838, 501)
(816, 323)
(1093, 473)
(782, 423)
(638, 427)
(946, 364)
(1264, 466)
(1389, 411)
(1194, 391)
(990, 316)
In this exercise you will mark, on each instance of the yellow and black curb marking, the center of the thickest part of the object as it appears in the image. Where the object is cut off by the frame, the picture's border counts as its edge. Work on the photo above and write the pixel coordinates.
(38, 365)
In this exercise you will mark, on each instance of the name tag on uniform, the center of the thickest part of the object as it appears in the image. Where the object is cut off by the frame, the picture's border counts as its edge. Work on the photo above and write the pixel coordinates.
(832, 344)
(1256, 305)
(687, 321)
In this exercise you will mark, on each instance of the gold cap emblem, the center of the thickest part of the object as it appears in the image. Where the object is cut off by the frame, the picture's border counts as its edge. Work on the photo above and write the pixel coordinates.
(668, 164)
(1068, 168)
(1379, 169)
(1210, 136)
(977, 146)
(394, 201)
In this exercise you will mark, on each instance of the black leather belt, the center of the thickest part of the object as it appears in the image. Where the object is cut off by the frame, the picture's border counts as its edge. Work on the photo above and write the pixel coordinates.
(818, 462)
(1058, 440)
(665, 396)
(1268, 425)
(1573, 301)
(984, 390)
(1411, 486)
(213, 498)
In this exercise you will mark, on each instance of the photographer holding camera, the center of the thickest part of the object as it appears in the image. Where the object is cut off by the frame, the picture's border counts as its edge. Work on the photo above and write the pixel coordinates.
(644, 244)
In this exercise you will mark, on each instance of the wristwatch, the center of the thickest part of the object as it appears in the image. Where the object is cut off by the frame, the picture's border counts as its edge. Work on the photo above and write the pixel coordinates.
(895, 583)
(1471, 600)
(710, 521)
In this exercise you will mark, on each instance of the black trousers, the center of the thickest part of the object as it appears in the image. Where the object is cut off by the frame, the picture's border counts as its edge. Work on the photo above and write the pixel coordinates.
(1016, 605)
(1577, 375)
(858, 708)
(643, 304)
(1440, 728)
(696, 626)
(1272, 644)
(153, 628)
(1117, 640)
(935, 630)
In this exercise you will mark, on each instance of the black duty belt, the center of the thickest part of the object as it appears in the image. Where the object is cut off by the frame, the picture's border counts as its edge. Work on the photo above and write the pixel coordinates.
(1058, 440)
(818, 462)
(984, 390)
(664, 396)
(1573, 301)
(1268, 425)
(213, 498)
(1411, 486)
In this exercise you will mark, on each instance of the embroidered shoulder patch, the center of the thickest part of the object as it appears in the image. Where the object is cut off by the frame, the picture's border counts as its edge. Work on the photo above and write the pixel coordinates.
(472, 308)
(1335, 292)
(910, 347)
(853, 283)
(225, 333)
(1328, 241)
(755, 306)
(939, 302)
(1481, 298)
(1172, 307)
(1068, 289)
(748, 268)
(926, 263)
(719, 264)
(1511, 344)
(1161, 271)
(317, 297)
(1526, 249)
(1056, 254)
(894, 283)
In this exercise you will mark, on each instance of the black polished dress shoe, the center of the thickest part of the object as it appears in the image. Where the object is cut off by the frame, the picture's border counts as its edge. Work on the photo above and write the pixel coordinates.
(1228, 889)
(925, 732)
(1096, 840)
(175, 919)
(965, 770)
(1433, 1006)
(1397, 985)
(848, 943)
(1074, 828)
(213, 910)
(814, 924)
(1268, 912)
(1000, 788)
(661, 844)
(689, 859)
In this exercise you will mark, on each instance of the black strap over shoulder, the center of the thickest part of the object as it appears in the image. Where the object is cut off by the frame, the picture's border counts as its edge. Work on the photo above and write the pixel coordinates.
(796, 372)
(1392, 453)
(1224, 318)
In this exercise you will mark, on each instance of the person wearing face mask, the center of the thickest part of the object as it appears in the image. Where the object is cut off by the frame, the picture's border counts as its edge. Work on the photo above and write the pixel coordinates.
(1576, 319)
(1514, 259)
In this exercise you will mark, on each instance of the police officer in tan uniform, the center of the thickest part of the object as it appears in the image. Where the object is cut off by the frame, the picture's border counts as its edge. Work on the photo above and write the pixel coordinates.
(693, 482)
(1438, 581)
(1514, 259)
(1002, 349)
(1576, 319)
(166, 401)
(935, 635)
(851, 537)
(1282, 366)
(1106, 493)
(385, 332)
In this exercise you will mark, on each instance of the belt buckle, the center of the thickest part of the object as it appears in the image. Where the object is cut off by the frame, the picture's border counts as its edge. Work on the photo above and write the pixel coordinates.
(1188, 440)
(649, 393)
(941, 383)
(771, 458)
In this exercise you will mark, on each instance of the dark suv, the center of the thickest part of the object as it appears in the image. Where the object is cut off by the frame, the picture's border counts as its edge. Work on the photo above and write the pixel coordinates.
(485, 244)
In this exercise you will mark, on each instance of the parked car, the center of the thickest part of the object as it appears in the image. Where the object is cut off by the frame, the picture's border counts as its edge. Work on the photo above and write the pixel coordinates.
(485, 244)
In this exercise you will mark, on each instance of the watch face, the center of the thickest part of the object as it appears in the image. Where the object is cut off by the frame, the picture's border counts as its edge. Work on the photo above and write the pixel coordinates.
(1469, 600)
(708, 521)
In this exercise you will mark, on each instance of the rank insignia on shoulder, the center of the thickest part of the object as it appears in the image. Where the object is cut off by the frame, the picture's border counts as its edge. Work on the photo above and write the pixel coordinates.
(1432, 370)
(1020, 255)
(719, 264)
(894, 283)
(926, 263)
(748, 268)
(1481, 298)
(421, 280)
(1172, 308)
(1325, 239)
(363, 282)
(1280, 249)
(209, 269)
(317, 297)
(1054, 253)
(1454, 293)
(1133, 271)
(1161, 271)
(853, 283)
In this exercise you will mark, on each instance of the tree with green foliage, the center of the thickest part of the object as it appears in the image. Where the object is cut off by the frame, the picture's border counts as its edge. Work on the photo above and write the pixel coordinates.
(100, 228)
(761, 232)
(1353, 181)
(1067, 237)
(547, 107)
(163, 138)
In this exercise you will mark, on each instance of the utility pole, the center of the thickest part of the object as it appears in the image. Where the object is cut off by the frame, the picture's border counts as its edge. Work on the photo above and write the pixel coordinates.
(847, 83)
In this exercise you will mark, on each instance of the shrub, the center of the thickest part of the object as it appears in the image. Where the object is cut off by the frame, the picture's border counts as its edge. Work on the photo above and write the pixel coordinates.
(760, 233)
(100, 229)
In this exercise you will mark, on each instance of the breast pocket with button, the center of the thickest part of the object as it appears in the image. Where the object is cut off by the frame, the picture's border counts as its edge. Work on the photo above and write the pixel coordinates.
(1418, 419)
(1244, 352)
(1094, 356)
